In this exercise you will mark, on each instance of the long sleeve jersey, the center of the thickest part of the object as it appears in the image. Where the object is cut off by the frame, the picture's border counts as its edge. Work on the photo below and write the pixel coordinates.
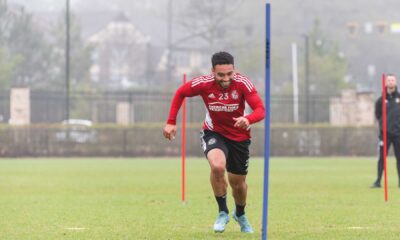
(392, 113)
(222, 104)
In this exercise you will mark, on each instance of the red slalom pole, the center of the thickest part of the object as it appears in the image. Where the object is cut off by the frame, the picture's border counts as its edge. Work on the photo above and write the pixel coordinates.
(384, 128)
(183, 143)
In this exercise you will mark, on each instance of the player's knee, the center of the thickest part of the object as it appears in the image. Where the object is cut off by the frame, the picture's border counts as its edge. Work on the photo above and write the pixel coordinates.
(218, 169)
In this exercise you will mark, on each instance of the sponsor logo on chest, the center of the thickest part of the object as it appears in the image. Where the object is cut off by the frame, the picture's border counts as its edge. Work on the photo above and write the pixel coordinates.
(221, 107)
(223, 101)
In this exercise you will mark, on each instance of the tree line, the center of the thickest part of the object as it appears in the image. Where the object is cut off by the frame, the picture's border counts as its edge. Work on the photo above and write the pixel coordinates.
(32, 53)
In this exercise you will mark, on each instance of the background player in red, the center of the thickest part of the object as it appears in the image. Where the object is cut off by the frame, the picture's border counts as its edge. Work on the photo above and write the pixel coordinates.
(226, 131)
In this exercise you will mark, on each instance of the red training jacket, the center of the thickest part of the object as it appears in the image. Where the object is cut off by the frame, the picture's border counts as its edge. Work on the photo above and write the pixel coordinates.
(222, 104)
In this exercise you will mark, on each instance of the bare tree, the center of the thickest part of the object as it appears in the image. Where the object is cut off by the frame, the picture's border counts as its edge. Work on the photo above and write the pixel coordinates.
(207, 20)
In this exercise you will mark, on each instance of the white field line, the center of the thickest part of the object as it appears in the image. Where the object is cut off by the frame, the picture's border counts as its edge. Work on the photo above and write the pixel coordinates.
(357, 228)
(75, 228)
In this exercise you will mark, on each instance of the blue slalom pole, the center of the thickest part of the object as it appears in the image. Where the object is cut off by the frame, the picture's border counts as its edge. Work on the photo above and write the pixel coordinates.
(267, 120)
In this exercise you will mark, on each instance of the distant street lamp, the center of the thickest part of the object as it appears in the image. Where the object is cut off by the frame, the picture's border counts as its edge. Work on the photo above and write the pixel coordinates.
(307, 76)
(169, 41)
(371, 69)
(67, 59)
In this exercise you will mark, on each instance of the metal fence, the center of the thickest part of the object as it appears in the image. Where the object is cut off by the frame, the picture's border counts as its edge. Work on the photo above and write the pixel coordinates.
(136, 140)
(147, 107)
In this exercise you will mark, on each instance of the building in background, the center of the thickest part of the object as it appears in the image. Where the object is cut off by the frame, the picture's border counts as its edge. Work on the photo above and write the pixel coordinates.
(192, 62)
(352, 108)
(120, 55)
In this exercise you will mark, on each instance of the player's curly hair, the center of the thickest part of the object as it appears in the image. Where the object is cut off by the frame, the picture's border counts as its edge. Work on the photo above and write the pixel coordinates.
(221, 58)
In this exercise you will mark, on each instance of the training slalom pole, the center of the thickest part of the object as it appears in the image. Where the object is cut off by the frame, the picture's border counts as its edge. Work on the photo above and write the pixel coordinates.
(183, 144)
(264, 229)
(384, 129)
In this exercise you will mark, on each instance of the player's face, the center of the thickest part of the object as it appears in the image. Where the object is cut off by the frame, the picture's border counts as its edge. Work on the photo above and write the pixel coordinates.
(391, 82)
(223, 74)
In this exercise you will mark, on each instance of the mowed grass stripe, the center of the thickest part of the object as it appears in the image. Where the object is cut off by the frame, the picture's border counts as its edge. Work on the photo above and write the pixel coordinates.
(310, 198)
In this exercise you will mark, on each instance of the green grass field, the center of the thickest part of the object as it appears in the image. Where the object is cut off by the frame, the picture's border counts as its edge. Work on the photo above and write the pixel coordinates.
(310, 198)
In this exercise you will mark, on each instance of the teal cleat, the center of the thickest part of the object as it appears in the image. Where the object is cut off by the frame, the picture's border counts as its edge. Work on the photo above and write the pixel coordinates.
(220, 223)
(245, 226)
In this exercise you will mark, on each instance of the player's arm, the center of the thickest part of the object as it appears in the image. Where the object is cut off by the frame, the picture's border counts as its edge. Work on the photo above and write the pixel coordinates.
(257, 115)
(185, 90)
(378, 109)
(256, 103)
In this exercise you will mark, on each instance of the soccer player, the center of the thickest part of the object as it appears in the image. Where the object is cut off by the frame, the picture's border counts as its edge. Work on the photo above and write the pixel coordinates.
(226, 131)
(393, 125)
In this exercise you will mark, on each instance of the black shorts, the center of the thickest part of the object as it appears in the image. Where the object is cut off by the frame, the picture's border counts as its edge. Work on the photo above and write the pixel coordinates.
(236, 153)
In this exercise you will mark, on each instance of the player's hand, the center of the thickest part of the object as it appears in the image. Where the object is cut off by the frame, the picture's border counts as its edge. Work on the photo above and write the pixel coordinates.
(169, 131)
(241, 122)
